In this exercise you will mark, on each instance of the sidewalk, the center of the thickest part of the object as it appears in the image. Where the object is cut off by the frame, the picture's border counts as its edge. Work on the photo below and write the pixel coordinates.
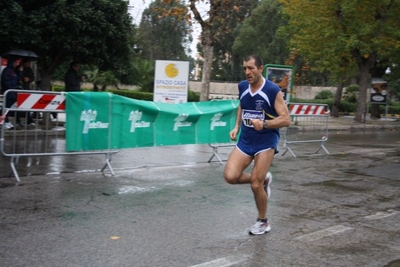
(343, 123)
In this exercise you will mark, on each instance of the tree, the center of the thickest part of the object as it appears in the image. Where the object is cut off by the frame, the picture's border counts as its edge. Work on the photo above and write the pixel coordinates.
(102, 78)
(221, 13)
(213, 24)
(334, 31)
(262, 29)
(164, 31)
(144, 70)
(227, 63)
(98, 32)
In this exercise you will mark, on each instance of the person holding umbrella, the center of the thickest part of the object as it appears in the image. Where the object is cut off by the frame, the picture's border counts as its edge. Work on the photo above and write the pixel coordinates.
(10, 78)
(27, 74)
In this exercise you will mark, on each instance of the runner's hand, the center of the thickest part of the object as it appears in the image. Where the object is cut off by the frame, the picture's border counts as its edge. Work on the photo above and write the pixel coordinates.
(257, 124)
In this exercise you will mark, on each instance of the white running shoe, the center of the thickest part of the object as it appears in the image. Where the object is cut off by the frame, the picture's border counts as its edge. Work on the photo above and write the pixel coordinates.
(267, 182)
(260, 227)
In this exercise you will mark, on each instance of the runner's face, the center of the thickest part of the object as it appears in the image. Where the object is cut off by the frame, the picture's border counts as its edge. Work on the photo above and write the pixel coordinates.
(253, 74)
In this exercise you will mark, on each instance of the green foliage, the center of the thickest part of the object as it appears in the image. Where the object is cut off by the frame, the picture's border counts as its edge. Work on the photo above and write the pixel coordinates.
(394, 89)
(226, 64)
(349, 107)
(351, 93)
(134, 94)
(90, 31)
(193, 96)
(345, 106)
(394, 108)
(57, 88)
(342, 36)
(164, 32)
(325, 94)
(144, 71)
(262, 27)
(102, 79)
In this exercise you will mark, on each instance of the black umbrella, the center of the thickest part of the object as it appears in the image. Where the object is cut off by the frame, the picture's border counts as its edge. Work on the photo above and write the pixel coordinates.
(21, 53)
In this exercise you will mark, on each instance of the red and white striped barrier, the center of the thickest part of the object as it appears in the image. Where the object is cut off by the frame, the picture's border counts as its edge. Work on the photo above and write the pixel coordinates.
(307, 109)
(41, 101)
(310, 119)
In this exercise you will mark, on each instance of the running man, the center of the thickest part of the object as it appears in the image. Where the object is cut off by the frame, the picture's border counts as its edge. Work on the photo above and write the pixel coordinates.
(261, 112)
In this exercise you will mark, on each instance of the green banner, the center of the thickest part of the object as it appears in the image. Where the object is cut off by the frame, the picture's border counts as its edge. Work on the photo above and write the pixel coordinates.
(99, 121)
(88, 120)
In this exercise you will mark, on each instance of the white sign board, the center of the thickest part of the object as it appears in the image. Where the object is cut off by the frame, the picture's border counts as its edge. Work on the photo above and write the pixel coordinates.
(171, 81)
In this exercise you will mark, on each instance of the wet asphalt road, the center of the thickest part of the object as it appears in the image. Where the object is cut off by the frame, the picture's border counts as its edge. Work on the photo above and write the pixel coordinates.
(166, 206)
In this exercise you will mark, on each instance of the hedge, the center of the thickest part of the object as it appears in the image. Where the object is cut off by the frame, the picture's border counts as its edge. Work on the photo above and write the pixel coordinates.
(134, 94)
(345, 106)
(349, 107)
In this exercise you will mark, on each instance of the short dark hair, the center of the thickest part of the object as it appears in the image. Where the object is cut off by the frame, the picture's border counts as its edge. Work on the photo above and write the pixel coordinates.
(257, 59)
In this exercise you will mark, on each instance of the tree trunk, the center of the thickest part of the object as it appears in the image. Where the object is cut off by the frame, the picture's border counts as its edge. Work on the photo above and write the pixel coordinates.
(208, 53)
(362, 97)
(375, 111)
(364, 65)
(336, 101)
(45, 82)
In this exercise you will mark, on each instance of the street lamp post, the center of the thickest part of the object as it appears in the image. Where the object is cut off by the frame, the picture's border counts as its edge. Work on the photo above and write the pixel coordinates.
(387, 72)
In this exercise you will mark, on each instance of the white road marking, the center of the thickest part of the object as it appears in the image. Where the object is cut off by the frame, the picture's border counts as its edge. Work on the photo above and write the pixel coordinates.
(323, 233)
(383, 214)
(222, 262)
(125, 189)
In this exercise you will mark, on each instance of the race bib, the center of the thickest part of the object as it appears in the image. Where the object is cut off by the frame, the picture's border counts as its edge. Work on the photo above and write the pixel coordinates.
(248, 115)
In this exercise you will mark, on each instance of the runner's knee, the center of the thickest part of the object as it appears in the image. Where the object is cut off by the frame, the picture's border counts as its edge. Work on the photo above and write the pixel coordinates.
(230, 178)
(257, 185)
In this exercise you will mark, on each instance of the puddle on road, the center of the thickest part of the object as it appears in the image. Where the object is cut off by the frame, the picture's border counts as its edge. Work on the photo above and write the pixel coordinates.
(386, 146)
(337, 185)
(390, 171)
(6, 185)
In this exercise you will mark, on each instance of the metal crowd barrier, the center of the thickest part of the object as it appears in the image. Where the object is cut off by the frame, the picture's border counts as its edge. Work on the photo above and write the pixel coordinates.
(309, 125)
(215, 150)
(46, 136)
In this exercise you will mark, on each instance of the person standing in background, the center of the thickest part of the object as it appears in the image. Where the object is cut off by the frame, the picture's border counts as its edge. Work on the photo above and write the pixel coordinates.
(27, 74)
(72, 79)
(10, 78)
(27, 78)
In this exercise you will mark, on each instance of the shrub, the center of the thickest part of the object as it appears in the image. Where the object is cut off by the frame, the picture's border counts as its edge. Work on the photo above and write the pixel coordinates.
(193, 97)
(57, 88)
(346, 106)
(134, 94)
(324, 94)
(351, 93)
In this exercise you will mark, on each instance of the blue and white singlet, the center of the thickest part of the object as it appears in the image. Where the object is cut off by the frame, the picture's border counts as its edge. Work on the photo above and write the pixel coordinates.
(258, 105)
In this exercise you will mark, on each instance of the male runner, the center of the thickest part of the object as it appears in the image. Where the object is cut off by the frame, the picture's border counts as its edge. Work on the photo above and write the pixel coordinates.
(261, 112)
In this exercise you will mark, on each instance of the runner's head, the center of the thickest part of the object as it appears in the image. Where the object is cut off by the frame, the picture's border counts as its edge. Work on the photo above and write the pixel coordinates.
(253, 67)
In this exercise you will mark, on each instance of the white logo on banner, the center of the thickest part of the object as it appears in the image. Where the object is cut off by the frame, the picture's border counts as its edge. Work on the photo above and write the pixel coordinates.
(180, 121)
(215, 121)
(89, 117)
(135, 117)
